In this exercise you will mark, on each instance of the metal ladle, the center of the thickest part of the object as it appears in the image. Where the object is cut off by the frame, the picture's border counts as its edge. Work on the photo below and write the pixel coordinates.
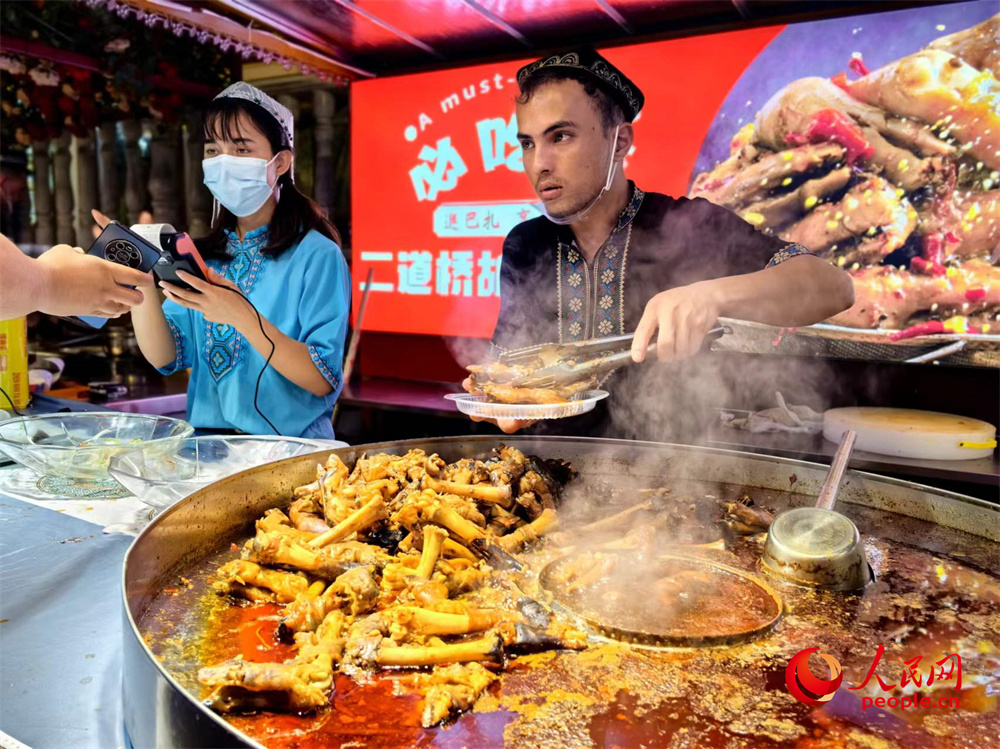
(817, 546)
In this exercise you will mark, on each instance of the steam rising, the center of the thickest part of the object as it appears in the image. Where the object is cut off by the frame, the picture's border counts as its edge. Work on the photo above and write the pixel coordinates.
(675, 401)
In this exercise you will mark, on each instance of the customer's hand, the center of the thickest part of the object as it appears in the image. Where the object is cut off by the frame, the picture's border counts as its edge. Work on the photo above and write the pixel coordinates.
(507, 426)
(74, 283)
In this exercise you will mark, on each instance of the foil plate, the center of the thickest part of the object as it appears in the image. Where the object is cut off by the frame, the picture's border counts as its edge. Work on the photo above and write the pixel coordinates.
(482, 408)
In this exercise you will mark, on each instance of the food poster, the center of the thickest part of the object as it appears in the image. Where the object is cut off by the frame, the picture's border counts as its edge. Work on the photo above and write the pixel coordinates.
(872, 140)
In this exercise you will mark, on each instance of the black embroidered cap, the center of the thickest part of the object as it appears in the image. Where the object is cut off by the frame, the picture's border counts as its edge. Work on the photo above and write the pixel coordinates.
(586, 60)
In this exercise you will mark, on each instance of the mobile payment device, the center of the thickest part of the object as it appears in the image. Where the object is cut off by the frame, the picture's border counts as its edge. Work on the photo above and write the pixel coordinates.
(179, 253)
(118, 244)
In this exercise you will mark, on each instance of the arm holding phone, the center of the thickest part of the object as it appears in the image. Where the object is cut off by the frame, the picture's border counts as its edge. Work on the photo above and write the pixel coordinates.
(64, 281)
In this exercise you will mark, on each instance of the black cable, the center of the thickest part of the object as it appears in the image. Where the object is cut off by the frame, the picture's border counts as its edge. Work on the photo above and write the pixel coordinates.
(11, 401)
(267, 362)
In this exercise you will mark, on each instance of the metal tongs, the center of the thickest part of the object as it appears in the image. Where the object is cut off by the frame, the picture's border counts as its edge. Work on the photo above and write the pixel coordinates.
(564, 364)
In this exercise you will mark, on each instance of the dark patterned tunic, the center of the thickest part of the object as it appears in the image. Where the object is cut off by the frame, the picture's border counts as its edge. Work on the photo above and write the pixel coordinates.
(550, 293)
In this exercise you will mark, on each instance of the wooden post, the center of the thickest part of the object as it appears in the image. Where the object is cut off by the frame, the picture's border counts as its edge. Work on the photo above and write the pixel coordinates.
(198, 198)
(85, 158)
(63, 190)
(109, 175)
(26, 232)
(164, 177)
(45, 230)
(295, 107)
(323, 110)
(136, 190)
(292, 102)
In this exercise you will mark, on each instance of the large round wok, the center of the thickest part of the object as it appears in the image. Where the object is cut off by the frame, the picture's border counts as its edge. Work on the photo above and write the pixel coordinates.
(159, 712)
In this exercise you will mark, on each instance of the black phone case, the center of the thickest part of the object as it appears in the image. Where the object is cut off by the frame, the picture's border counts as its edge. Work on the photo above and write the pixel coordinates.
(119, 245)
(172, 261)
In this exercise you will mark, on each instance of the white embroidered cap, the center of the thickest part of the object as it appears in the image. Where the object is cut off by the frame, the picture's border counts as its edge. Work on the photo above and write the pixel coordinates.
(243, 90)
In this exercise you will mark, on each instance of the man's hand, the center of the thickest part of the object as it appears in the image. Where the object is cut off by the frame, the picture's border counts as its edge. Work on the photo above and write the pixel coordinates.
(507, 426)
(75, 283)
(682, 317)
(218, 299)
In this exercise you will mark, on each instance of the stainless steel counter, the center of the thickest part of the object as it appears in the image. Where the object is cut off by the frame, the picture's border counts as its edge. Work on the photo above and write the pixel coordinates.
(60, 629)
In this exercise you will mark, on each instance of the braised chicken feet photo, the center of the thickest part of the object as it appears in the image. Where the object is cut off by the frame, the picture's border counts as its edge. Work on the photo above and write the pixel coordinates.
(892, 176)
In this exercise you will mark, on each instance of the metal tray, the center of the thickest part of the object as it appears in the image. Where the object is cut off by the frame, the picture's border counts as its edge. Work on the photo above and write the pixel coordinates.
(836, 342)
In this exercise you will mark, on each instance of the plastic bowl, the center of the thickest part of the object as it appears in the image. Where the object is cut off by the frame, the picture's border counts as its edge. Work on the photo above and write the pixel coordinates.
(160, 478)
(81, 445)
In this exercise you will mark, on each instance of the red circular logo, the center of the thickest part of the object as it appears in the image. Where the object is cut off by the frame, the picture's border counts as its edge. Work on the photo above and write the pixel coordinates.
(804, 686)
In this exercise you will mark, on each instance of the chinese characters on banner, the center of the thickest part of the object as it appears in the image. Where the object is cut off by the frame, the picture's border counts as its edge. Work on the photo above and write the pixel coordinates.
(487, 220)
(457, 156)
(498, 144)
(441, 166)
(438, 170)
(444, 273)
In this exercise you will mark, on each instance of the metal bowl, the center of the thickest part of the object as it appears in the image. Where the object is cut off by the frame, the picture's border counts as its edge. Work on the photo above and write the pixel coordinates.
(80, 445)
(816, 547)
(160, 477)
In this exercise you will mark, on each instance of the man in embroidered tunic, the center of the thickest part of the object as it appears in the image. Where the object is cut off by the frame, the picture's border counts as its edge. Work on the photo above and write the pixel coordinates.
(609, 259)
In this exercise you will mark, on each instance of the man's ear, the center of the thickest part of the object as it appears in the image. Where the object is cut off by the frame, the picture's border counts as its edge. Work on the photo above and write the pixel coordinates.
(626, 134)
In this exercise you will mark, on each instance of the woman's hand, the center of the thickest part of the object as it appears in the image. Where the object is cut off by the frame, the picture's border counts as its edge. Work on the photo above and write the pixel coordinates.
(156, 341)
(218, 299)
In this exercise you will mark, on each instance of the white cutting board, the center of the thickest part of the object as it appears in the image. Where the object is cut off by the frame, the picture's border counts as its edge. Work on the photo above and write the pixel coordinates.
(905, 433)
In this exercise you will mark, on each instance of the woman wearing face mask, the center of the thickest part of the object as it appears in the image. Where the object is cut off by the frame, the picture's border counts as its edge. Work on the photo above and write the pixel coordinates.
(270, 244)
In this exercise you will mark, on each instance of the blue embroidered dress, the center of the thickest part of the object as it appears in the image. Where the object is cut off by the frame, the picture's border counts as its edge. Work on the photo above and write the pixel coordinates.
(306, 294)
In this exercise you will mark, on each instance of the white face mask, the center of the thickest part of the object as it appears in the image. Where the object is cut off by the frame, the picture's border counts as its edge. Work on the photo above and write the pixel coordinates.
(238, 182)
(576, 216)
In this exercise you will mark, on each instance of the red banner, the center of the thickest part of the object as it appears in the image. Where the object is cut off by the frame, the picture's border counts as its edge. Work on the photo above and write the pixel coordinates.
(876, 145)
(438, 182)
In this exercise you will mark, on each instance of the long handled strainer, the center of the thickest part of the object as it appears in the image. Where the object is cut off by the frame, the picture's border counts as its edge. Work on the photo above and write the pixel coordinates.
(818, 546)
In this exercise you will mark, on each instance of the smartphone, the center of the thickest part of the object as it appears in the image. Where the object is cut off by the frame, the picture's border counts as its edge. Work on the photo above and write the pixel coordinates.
(179, 253)
(119, 245)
